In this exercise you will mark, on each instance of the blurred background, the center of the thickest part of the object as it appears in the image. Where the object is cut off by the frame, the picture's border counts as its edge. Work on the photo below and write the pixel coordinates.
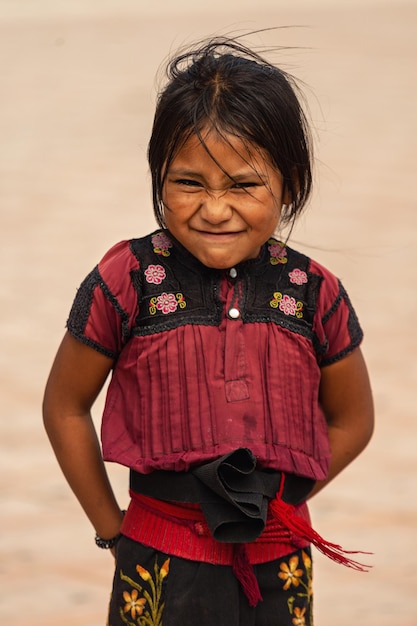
(78, 82)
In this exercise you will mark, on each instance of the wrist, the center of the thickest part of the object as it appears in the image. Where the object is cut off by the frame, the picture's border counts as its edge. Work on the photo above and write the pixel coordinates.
(107, 543)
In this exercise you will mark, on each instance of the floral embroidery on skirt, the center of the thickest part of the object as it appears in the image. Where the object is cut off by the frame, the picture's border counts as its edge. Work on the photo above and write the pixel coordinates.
(153, 589)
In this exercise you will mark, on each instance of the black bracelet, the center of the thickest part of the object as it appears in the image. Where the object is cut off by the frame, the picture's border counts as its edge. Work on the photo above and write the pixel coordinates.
(107, 544)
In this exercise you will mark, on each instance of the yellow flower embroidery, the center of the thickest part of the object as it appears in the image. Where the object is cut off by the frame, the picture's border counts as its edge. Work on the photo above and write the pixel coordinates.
(299, 619)
(290, 573)
(133, 604)
(180, 299)
(149, 608)
(306, 560)
(164, 569)
(152, 305)
(143, 573)
(309, 571)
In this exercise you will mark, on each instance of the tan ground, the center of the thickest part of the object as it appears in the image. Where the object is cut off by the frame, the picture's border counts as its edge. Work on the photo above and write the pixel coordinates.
(77, 94)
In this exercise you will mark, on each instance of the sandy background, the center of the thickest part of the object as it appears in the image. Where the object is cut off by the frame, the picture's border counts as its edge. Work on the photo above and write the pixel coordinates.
(77, 91)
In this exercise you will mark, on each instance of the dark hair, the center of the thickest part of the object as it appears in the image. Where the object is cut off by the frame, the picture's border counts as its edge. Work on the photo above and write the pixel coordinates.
(226, 86)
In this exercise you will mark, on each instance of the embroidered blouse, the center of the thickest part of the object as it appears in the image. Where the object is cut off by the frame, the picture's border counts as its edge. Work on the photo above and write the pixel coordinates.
(206, 361)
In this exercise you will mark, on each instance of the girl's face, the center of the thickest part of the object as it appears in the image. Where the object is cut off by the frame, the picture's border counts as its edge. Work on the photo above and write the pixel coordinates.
(222, 220)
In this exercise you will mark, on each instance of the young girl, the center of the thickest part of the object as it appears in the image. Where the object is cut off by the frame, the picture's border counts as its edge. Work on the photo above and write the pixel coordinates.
(238, 386)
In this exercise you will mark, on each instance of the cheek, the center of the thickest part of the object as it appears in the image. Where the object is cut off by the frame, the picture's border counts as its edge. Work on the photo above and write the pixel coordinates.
(176, 220)
(277, 208)
(169, 204)
(270, 216)
(270, 225)
(170, 219)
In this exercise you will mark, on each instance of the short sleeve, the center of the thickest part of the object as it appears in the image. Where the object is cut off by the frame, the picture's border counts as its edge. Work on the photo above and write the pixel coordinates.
(106, 303)
(336, 326)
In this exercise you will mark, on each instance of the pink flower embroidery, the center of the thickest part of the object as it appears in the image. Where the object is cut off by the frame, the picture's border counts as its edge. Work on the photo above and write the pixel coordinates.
(166, 303)
(155, 274)
(298, 277)
(161, 244)
(277, 251)
(287, 304)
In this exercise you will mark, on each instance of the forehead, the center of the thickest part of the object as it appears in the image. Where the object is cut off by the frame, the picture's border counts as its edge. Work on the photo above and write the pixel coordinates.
(223, 150)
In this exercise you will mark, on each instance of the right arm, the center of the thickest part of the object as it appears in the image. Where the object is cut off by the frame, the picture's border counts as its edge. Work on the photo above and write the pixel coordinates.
(76, 378)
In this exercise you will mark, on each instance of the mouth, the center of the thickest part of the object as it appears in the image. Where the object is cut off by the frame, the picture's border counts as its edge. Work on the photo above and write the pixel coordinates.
(219, 234)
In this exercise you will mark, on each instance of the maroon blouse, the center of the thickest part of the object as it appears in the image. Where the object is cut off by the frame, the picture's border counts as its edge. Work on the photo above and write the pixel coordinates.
(207, 361)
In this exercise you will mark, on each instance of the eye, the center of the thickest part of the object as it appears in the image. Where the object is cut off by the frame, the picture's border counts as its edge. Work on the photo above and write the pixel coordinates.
(245, 185)
(188, 182)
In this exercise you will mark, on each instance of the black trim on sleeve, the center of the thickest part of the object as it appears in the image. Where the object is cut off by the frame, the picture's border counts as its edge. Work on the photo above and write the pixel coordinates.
(335, 304)
(119, 309)
(93, 344)
(354, 327)
(81, 308)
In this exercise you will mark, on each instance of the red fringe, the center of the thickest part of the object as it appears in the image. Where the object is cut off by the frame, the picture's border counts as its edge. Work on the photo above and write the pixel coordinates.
(285, 514)
(244, 573)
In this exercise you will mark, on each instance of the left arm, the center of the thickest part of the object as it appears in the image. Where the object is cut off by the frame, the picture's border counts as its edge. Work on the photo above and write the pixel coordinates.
(346, 399)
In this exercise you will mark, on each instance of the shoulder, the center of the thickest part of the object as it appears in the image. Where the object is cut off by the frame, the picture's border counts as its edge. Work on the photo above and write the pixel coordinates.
(333, 309)
(331, 287)
(129, 251)
(122, 259)
(336, 326)
(121, 254)
(328, 283)
(297, 258)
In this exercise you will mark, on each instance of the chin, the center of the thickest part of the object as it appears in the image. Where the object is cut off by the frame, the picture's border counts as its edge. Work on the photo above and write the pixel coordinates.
(217, 264)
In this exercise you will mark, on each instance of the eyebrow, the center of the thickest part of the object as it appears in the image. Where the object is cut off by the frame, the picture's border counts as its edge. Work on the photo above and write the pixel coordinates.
(238, 177)
(179, 171)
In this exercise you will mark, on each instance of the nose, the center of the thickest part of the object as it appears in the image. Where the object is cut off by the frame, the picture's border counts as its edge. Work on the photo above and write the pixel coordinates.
(215, 207)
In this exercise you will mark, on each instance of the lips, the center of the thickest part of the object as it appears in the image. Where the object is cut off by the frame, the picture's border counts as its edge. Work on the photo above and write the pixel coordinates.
(218, 234)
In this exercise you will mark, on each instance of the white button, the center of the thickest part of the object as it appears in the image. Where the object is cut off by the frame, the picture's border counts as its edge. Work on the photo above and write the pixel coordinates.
(234, 313)
(233, 272)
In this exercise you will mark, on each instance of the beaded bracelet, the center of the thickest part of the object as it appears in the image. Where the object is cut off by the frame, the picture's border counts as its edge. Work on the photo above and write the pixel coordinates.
(107, 544)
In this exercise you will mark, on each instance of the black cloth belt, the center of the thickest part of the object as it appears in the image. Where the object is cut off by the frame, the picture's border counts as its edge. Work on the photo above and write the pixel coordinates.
(233, 494)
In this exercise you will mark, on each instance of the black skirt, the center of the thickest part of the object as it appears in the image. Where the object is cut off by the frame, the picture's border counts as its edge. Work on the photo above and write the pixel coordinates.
(154, 589)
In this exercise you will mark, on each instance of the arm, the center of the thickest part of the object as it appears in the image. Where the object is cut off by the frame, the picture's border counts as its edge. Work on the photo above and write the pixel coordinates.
(77, 376)
(346, 399)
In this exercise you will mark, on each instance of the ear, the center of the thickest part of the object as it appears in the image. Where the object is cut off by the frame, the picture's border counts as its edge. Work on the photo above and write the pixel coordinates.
(288, 197)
